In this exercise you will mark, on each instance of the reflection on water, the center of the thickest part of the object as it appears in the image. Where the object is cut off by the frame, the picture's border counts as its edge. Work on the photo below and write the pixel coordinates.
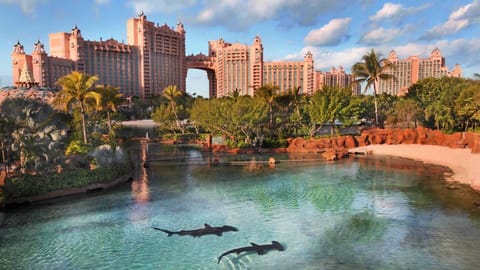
(140, 189)
(361, 213)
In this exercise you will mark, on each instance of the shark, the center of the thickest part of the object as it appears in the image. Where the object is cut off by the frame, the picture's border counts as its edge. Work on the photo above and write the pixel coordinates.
(207, 229)
(259, 249)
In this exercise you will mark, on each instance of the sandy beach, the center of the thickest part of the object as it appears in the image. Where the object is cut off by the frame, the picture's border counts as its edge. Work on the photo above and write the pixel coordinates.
(464, 164)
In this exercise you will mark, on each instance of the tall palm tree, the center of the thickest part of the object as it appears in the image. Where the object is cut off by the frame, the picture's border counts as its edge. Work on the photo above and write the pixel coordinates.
(171, 93)
(371, 70)
(110, 99)
(77, 90)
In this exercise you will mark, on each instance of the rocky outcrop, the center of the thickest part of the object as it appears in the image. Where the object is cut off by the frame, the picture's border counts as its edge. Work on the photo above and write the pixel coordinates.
(337, 147)
(333, 148)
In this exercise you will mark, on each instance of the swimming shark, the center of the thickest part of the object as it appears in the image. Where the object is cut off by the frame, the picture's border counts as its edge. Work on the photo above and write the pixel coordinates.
(259, 249)
(203, 231)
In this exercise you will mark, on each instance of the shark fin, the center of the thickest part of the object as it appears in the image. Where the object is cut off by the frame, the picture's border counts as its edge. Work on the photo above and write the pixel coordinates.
(253, 244)
(207, 226)
(261, 251)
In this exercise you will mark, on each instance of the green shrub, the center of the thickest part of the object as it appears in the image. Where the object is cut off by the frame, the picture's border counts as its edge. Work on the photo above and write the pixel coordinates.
(77, 147)
(274, 143)
(30, 185)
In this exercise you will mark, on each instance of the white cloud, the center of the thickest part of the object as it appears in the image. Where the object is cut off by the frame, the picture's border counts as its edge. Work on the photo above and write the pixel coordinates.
(153, 6)
(241, 14)
(27, 6)
(461, 18)
(380, 36)
(394, 12)
(330, 34)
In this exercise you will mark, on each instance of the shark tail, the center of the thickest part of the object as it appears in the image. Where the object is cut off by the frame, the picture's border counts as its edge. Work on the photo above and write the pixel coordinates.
(170, 233)
(221, 256)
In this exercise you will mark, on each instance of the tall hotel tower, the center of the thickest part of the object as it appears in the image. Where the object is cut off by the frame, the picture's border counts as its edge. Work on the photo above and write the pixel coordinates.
(153, 59)
(408, 71)
(240, 67)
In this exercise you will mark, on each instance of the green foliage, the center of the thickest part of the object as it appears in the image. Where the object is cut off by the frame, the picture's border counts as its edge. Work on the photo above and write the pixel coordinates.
(77, 147)
(371, 70)
(110, 99)
(164, 116)
(32, 132)
(406, 112)
(327, 105)
(274, 143)
(30, 185)
(448, 104)
(238, 118)
(267, 93)
(360, 107)
(187, 137)
(77, 91)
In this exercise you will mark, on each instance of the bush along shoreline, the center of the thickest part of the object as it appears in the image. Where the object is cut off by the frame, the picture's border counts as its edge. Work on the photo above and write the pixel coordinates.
(24, 189)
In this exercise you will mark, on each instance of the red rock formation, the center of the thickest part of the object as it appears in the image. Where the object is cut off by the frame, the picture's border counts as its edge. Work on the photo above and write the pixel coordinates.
(419, 135)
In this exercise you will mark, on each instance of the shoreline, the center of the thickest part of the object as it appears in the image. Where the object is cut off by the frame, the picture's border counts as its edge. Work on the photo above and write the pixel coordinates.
(67, 192)
(464, 164)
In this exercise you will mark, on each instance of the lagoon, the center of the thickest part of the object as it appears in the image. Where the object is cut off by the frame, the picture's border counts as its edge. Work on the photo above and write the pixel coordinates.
(358, 213)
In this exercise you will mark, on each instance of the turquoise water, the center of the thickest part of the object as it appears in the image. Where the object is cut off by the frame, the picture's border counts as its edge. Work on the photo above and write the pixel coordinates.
(362, 213)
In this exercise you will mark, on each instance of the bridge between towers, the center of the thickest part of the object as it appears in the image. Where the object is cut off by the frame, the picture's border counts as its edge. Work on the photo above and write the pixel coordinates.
(206, 63)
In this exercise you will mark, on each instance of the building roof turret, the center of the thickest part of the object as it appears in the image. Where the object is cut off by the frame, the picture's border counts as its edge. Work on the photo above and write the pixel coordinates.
(18, 48)
(308, 55)
(38, 47)
(180, 29)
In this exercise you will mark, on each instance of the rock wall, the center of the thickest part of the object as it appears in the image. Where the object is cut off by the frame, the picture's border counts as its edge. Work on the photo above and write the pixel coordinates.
(335, 147)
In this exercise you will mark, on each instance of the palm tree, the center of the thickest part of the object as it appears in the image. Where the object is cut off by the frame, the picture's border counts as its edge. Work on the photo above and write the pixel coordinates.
(371, 71)
(171, 93)
(76, 90)
(268, 93)
(110, 99)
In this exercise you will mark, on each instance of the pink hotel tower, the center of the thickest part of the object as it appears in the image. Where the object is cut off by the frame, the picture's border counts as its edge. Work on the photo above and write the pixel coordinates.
(153, 59)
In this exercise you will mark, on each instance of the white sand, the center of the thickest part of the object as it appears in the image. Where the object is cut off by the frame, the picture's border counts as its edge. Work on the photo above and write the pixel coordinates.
(464, 164)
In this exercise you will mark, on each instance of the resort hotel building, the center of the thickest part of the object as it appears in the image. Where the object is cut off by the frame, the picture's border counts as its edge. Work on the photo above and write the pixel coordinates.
(336, 77)
(154, 58)
(408, 71)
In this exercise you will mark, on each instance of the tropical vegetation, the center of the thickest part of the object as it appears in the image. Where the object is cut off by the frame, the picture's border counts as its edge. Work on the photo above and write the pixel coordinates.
(371, 70)
(48, 144)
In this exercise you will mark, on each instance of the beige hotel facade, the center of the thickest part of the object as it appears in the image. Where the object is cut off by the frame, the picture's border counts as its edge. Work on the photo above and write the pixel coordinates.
(408, 71)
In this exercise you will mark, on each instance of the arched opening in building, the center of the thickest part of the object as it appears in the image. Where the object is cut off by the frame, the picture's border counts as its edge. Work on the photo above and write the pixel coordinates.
(197, 83)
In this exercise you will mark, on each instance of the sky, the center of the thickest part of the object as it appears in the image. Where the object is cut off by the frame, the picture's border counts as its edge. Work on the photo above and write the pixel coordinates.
(337, 32)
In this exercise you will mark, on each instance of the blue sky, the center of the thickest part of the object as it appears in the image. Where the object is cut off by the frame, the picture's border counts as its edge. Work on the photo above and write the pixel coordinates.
(337, 32)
